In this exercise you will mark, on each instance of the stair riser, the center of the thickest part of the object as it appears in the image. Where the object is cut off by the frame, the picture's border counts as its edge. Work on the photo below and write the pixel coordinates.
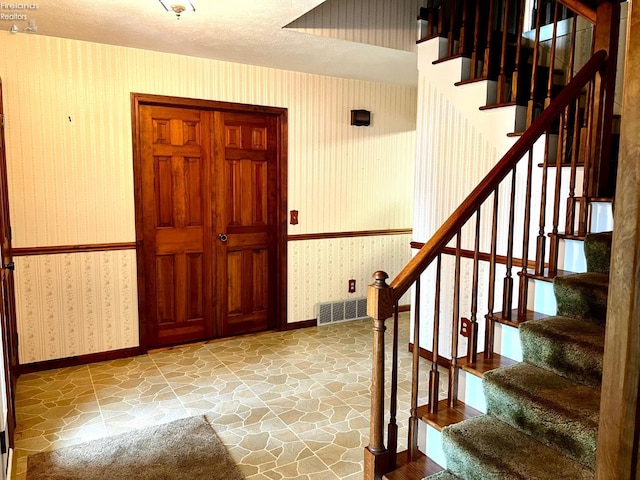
(578, 362)
(587, 302)
(598, 252)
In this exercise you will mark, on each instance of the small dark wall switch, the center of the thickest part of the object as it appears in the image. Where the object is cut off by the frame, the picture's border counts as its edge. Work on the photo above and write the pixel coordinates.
(294, 217)
(352, 286)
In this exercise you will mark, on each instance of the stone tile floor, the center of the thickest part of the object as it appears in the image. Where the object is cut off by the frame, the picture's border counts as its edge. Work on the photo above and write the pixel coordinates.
(288, 405)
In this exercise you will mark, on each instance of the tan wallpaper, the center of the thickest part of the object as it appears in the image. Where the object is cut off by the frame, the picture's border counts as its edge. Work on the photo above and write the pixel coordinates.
(319, 270)
(76, 304)
(68, 138)
(69, 152)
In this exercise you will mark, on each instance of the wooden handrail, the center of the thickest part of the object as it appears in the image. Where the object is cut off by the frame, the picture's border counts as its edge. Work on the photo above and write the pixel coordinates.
(463, 213)
(581, 9)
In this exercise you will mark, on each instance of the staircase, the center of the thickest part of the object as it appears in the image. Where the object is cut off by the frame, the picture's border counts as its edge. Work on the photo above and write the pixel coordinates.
(484, 271)
(548, 405)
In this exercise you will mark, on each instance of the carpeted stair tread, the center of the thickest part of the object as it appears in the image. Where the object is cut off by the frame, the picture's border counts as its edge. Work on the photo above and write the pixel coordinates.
(597, 251)
(443, 475)
(552, 409)
(583, 295)
(485, 448)
(567, 346)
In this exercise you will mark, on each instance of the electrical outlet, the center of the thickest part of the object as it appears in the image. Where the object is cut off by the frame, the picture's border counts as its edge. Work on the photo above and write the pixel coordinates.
(352, 286)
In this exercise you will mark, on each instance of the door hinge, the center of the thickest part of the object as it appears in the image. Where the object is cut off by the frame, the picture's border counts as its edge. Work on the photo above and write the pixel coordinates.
(2, 119)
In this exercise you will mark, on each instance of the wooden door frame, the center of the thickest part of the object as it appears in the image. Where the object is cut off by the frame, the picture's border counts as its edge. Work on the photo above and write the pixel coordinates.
(9, 323)
(141, 99)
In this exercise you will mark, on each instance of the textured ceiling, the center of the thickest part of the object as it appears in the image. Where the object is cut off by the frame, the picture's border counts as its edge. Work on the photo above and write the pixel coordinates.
(243, 31)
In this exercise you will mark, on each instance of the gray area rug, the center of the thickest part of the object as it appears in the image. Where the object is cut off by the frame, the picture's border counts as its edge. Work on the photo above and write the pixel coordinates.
(184, 449)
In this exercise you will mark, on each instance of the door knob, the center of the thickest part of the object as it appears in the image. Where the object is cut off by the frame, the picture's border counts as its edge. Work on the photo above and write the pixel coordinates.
(222, 237)
(10, 266)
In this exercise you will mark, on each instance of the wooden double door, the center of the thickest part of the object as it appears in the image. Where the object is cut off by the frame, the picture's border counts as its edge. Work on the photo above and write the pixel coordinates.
(208, 220)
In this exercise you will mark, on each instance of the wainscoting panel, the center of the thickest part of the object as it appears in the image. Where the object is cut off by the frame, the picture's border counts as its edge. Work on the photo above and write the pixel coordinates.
(319, 270)
(76, 304)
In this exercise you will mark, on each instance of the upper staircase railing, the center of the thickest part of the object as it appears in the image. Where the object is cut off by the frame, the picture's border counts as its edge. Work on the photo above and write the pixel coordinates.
(500, 229)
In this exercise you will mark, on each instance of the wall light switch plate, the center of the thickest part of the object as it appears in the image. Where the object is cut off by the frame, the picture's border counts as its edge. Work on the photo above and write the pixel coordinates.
(294, 217)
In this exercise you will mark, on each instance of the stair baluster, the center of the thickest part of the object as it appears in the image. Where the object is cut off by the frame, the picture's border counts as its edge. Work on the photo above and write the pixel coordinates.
(541, 243)
(486, 70)
(516, 69)
(572, 137)
(490, 326)
(552, 56)
(431, 27)
(392, 428)
(452, 26)
(415, 371)
(554, 240)
(464, 29)
(472, 350)
(585, 155)
(502, 77)
(524, 280)
(507, 293)
(452, 392)
(434, 374)
(531, 106)
(473, 72)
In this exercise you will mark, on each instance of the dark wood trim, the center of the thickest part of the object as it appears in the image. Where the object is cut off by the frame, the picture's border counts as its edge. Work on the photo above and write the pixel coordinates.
(482, 256)
(56, 249)
(79, 360)
(140, 99)
(8, 322)
(404, 308)
(498, 105)
(470, 81)
(358, 233)
(313, 322)
(428, 355)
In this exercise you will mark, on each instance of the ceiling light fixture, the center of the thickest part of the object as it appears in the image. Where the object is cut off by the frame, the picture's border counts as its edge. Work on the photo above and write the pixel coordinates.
(178, 6)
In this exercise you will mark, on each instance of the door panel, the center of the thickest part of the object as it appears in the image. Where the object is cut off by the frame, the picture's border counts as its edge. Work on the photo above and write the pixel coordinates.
(176, 173)
(246, 173)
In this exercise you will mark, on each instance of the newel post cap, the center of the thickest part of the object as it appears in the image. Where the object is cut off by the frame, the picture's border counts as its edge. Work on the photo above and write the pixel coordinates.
(380, 279)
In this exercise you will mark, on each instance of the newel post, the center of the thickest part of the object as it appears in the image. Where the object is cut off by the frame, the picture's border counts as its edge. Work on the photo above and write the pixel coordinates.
(379, 307)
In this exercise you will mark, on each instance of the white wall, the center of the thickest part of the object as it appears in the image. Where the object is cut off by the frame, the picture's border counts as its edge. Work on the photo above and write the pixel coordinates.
(69, 153)
(376, 22)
